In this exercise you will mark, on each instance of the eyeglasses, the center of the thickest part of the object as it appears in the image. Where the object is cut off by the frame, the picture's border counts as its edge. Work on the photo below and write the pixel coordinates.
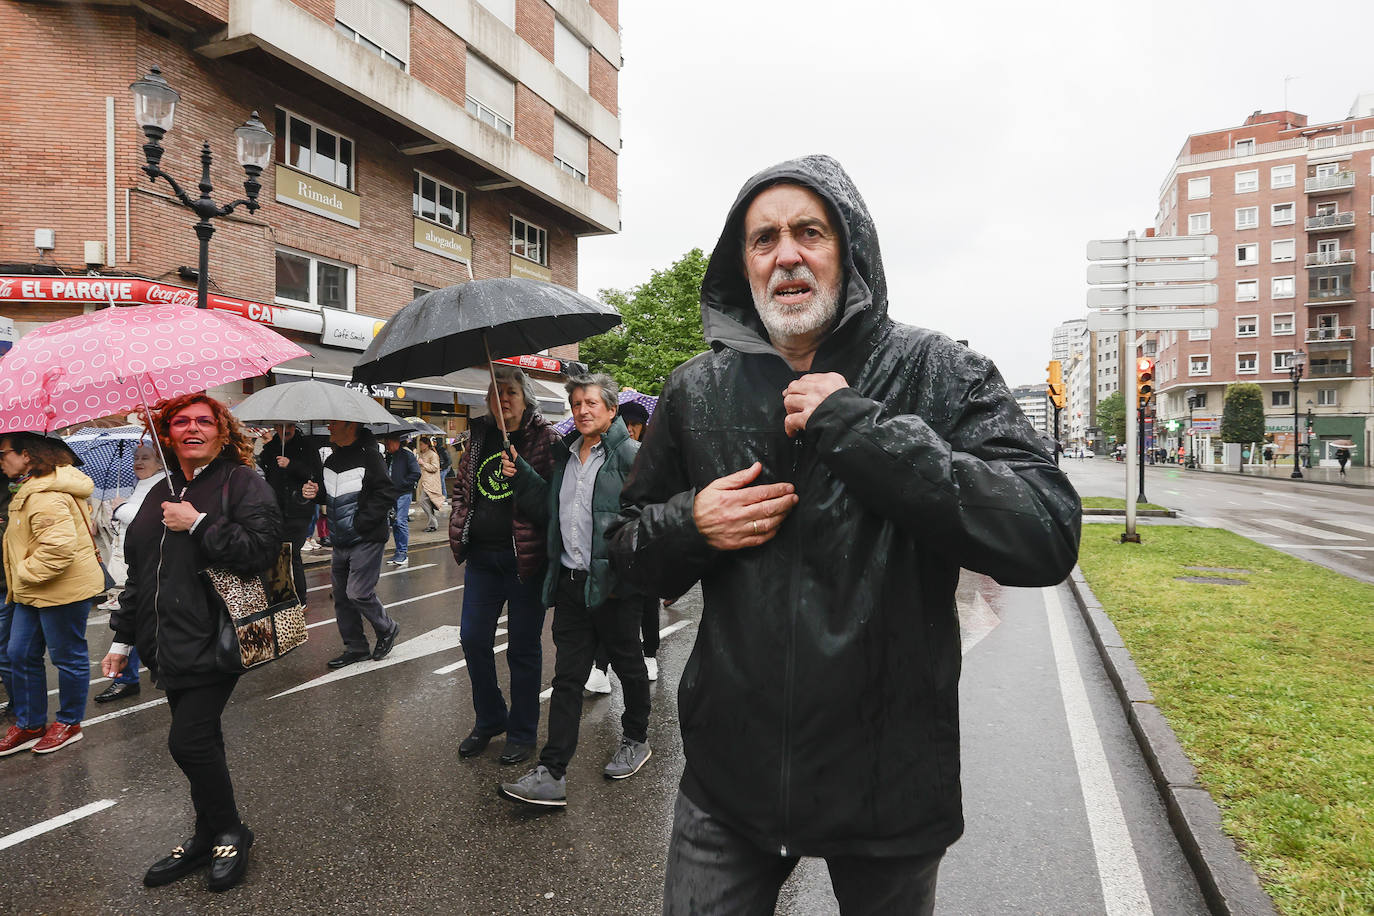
(182, 423)
(8, 451)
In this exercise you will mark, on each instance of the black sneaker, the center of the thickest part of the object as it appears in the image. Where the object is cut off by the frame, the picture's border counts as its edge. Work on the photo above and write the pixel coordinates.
(117, 692)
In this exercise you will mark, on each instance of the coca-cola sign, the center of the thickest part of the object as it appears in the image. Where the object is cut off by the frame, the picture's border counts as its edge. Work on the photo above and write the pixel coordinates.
(176, 295)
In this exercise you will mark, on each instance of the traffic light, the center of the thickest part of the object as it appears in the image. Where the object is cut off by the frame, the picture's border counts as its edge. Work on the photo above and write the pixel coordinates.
(1144, 381)
(1058, 395)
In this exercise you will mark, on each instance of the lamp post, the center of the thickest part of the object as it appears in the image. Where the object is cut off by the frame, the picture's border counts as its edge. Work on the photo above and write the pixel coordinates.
(1296, 362)
(1309, 432)
(1191, 394)
(155, 105)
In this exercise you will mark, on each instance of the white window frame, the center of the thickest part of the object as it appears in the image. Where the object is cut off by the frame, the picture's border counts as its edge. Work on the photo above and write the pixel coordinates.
(1326, 169)
(1274, 257)
(1199, 333)
(1203, 224)
(460, 198)
(1247, 290)
(1278, 360)
(1252, 321)
(1206, 367)
(1252, 358)
(483, 113)
(1245, 147)
(566, 127)
(1241, 261)
(313, 303)
(1328, 397)
(1277, 330)
(1276, 220)
(284, 151)
(1276, 293)
(481, 109)
(1200, 188)
(522, 229)
(1280, 397)
(353, 35)
(1283, 176)
(1247, 218)
(1247, 181)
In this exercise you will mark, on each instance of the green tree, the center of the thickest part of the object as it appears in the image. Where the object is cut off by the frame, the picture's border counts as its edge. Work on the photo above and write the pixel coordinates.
(1111, 416)
(661, 326)
(1242, 416)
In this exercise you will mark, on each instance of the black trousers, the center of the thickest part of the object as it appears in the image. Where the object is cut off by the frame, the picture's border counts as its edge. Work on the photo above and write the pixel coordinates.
(648, 630)
(197, 746)
(576, 630)
(298, 529)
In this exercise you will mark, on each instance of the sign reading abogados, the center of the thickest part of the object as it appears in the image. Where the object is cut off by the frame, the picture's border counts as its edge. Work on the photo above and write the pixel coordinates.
(443, 242)
(307, 193)
(529, 270)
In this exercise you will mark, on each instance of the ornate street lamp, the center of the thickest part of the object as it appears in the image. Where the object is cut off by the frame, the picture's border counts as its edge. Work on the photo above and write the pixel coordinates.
(1296, 362)
(1191, 394)
(155, 105)
(1309, 432)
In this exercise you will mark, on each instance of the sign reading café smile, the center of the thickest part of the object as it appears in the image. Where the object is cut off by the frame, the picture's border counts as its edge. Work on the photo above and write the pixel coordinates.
(308, 193)
(442, 241)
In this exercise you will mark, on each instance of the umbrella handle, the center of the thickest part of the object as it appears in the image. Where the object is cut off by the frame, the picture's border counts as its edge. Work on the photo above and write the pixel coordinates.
(161, 458)
(500, 417)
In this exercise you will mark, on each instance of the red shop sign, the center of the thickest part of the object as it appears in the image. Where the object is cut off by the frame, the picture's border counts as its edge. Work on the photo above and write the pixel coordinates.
(124, 291)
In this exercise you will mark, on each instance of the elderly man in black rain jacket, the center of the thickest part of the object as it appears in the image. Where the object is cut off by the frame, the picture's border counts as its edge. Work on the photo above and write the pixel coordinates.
(824, 472)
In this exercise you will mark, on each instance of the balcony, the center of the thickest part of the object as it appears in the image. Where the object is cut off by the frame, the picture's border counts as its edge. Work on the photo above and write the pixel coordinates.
(1345, 256)
(1331, 295)
(1341, 181)
(1327, 370)
(1319, 336)
(1330, 221)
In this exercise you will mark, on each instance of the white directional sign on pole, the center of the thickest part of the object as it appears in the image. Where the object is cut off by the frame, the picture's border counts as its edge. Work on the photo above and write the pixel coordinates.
(1165, 246)
(1108, 297)
(1155, 272)
(1155, 320)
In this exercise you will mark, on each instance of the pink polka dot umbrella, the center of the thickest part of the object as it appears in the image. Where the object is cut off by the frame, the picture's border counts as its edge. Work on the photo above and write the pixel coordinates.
(117, 359)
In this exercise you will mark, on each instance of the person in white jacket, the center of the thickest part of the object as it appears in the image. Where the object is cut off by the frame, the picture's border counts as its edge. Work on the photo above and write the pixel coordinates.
(149, 472)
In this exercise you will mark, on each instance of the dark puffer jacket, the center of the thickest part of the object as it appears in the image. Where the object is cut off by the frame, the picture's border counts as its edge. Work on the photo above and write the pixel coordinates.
(286, 482)
(534, 441)
(163, 609)
(358, 493)
(819, 708)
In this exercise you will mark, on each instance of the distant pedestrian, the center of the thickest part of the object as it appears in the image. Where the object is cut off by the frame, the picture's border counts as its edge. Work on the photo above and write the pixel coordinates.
(1342, 458)
(404, 471)
(432, 499)
(288, 463)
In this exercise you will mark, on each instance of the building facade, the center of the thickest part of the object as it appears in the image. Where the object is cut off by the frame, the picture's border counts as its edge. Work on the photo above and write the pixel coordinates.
(1290, 203)
(1034, 402)
(418, 145)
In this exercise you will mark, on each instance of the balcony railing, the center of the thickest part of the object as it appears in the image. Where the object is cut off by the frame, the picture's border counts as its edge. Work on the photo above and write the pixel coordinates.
(1333, 221)
(1330, 294)
(1330, 258)
(1338, 182)
(1327, 370)
(1319, 335)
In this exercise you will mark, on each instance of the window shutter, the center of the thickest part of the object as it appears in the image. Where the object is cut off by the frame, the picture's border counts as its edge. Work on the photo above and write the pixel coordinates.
(387, 22)
(570, 144)
(487, 85)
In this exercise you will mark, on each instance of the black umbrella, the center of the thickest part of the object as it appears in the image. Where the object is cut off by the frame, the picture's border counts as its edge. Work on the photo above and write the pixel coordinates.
(474, 322)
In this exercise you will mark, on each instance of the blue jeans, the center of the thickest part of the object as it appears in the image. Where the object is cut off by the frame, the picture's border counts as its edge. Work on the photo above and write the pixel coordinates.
(6, 672)
(63, 629)
(130, 673)
(400, 526)
(490, 581)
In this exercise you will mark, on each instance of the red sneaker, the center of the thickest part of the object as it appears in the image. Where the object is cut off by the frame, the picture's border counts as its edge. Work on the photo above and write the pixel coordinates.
(18, 739)
(59, 735)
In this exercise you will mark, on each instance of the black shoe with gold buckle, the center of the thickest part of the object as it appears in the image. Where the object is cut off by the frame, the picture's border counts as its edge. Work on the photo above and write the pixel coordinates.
(229, 858)
(186, 858)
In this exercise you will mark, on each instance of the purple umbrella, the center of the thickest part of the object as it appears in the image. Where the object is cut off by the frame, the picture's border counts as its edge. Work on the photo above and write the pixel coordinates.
(648, 401)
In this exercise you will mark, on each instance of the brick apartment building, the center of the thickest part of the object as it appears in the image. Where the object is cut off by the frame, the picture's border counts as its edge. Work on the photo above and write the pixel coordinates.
(418, 144)
(1292, 206)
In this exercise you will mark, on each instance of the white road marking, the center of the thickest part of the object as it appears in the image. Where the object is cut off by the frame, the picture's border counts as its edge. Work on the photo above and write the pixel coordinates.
(1245, 531)
(976, 621)
(394, 572)
(667, 631)
(439, 639)
(127, 711)
(52, 823)
(442, 591)
(1345, 523)
(463, 662)
(1123, 888)
(1342, 547)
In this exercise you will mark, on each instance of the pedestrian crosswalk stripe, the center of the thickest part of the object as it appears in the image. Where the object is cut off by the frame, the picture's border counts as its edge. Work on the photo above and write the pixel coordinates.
(52, 823)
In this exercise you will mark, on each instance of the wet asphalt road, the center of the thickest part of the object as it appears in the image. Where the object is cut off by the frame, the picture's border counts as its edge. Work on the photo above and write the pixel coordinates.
(360, 802)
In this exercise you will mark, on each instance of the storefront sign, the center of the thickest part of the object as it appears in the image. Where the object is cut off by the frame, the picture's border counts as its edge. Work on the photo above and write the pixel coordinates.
(1278, 424)
(528, 270)
(442, 241)
(378, 391)
(6, 335)
(541, 363)
(308, 193)
(1206, 426)
(349, 329)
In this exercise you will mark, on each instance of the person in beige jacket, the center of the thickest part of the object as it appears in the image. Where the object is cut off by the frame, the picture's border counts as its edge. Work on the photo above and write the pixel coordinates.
(431, 484)
(52, 571)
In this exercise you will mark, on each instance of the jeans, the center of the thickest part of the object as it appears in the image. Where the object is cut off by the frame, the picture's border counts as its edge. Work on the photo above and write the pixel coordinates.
(576, 629)
(130, 673)
(6, 672)
(63, 630)
(490, 581)
(354, 572)
(400, 527)
(196, 742)
(713, 871)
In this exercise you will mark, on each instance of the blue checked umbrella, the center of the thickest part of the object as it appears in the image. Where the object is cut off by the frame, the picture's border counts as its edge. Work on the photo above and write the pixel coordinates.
(107, 457)
(649, 402)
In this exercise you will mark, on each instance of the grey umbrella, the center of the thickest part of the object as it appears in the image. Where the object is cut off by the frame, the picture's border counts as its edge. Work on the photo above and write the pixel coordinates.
(295, 402)
(472, 323)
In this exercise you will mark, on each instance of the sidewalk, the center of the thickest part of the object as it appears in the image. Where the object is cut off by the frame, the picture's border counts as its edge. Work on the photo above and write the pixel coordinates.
(418, 538)
(1354, 477)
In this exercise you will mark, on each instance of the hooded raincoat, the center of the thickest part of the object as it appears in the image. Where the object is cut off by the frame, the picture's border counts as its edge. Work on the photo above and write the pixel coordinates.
(819, 708)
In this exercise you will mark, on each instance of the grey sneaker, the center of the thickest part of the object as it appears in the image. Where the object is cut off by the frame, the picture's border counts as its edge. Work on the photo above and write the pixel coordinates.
(538, 787)
(627, 759)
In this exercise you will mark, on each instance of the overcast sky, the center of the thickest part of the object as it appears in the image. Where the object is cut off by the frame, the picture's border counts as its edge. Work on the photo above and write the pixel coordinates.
(991, 140)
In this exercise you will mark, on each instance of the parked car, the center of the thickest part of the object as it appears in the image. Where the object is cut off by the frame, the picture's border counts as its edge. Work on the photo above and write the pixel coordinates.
(1080, 452)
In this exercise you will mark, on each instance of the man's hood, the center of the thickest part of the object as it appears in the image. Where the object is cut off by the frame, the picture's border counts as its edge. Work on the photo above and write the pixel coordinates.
(728, 316)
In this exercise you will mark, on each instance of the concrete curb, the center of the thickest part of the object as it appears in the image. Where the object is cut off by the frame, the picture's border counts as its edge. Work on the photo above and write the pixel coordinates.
(1229, 885)
(1139, 513)
(1307, 478)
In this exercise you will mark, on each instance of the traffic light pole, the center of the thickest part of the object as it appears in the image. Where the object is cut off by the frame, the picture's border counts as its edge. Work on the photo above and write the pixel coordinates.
(1130, 535)
(1056, 435)
(1140, 418)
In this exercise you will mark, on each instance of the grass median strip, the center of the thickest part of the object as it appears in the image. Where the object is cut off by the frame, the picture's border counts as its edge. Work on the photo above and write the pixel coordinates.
(1269, 686)
(1114, 502)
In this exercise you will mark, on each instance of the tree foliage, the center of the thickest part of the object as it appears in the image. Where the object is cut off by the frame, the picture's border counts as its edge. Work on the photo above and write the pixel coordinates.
(661, 326)
(1242, 417)
(1111, 416)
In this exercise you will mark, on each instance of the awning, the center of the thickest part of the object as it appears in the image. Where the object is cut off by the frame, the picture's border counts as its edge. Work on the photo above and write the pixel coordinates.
(468, 386)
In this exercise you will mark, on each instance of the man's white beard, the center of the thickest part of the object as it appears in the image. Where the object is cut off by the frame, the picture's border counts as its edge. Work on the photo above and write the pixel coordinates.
(787, 322)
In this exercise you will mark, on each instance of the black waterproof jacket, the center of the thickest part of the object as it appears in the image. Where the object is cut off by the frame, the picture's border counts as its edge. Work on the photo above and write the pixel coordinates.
(819, 708)
(163, 608)
(358, 493)
(286, 482)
